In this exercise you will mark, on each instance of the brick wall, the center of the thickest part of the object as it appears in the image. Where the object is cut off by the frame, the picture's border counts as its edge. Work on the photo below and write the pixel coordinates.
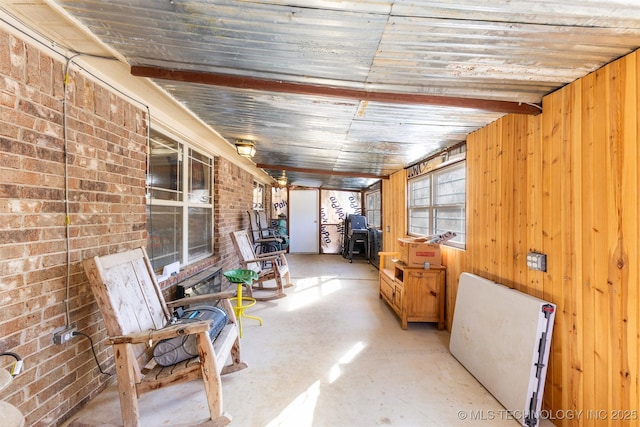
(233, 198)
(106, 175)
(106, 145)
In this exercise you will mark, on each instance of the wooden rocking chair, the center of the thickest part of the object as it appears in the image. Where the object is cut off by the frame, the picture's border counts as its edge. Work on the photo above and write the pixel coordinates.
(137, 316)
(269, 266)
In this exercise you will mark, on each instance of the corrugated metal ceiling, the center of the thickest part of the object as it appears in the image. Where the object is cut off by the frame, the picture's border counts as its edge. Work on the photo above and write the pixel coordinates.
(506, 50)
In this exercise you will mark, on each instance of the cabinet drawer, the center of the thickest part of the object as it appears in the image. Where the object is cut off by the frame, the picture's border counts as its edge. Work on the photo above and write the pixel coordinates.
(398, 297)
(419, 274)
(386, 287)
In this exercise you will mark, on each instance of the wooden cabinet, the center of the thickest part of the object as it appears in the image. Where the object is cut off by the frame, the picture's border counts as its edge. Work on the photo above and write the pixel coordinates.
(414, 294)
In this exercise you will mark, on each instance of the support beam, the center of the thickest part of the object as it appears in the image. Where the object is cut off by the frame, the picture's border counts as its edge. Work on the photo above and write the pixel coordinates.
(254, 83)
(321, 171)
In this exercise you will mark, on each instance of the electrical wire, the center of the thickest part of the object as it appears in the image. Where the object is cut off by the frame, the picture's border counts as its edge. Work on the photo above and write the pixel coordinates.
(93, 350)
(531, 104)
(67, 217)
(149, 184)
(17, 365)
(55, 48)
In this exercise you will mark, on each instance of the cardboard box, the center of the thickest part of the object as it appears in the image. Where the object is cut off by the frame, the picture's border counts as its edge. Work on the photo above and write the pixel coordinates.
(414, 253)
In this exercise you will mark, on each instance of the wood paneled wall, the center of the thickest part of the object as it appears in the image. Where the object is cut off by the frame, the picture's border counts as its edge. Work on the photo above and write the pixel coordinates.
(394, 218)
(565, 183)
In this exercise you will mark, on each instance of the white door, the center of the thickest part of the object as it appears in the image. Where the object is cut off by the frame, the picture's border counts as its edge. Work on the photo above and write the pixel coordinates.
(303, 221)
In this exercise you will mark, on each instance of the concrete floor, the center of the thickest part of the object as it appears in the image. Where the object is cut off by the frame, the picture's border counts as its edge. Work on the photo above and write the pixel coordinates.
(329, 354)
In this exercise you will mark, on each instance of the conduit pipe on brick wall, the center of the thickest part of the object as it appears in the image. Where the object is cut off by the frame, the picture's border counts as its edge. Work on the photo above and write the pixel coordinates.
(67, 218)
(57, 49)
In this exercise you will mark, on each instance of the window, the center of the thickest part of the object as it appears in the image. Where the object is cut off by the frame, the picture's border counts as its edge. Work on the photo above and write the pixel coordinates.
(373, 208)
(179, 222)
(437, 203)
(258, 196)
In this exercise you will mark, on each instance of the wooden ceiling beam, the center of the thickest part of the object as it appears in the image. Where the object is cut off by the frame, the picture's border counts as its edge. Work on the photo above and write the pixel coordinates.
(321, 171)
(254, 83)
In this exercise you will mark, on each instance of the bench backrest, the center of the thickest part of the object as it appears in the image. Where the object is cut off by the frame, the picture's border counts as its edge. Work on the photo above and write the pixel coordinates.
(127, 293)
(245, 249)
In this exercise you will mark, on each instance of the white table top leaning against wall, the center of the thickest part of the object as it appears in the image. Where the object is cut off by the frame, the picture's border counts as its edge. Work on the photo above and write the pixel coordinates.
(502, 337)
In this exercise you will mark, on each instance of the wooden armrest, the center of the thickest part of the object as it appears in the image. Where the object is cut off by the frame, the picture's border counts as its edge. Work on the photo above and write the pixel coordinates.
(260, 258)
(395, 255)
(169, 331)
(268, 239)
(269, 256)
(273, 254)
(249, 261)
(197, 299)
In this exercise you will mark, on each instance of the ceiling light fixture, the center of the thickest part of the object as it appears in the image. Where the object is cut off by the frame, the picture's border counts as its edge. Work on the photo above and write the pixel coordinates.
(282, 180)
(246, 148)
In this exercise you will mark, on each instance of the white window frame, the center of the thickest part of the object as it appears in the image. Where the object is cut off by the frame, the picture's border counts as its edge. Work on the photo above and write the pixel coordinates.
(185, 200)
(373, 208)
(258, 196)
(423, 205)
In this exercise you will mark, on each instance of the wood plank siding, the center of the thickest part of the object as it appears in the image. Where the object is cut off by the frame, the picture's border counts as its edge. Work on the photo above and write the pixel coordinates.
(394, 220)
(564, 183)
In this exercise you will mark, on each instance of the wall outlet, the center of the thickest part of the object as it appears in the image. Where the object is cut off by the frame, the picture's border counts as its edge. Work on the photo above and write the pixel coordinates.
(537, 261)
(63, 334)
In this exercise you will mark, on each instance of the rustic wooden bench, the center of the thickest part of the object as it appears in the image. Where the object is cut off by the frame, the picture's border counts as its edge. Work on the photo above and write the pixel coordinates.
(137, 316)
(269, 266)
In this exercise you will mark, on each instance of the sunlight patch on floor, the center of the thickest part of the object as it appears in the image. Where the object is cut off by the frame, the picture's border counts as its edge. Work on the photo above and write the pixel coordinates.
(335, 371)
(311, 289)
(300, 412)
